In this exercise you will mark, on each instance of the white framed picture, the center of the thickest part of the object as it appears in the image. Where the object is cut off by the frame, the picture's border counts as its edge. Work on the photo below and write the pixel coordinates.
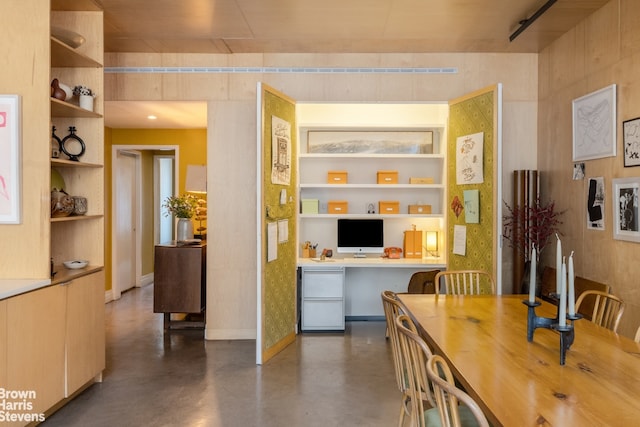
(10, 186)
(625, 209)
(594, 125)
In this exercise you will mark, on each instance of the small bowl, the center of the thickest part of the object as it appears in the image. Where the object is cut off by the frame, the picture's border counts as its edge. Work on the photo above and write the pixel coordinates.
(76, 264)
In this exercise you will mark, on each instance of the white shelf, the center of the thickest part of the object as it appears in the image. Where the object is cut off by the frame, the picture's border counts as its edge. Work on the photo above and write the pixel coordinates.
(364, 215)
(376, 186)
(365, 156)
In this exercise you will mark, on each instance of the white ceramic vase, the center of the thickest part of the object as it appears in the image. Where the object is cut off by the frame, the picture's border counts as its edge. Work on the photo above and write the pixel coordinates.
(184, 229)
(86, 102)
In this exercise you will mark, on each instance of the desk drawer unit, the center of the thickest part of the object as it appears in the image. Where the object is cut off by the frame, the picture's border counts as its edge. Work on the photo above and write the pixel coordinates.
(322, 298)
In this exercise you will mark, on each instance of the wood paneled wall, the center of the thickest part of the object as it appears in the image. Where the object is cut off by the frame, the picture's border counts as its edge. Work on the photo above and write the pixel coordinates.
(602, 50)
(231, 150)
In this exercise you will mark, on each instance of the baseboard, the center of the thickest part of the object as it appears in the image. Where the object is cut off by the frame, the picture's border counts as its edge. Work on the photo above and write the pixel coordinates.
(108, 296)
(229, 334)
(146, 280)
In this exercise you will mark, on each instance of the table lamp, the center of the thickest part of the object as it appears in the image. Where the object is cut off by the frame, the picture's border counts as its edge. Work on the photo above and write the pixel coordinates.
(432, 243)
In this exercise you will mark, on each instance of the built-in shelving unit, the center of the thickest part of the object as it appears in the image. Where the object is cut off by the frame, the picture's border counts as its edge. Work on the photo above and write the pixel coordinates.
(363, 193)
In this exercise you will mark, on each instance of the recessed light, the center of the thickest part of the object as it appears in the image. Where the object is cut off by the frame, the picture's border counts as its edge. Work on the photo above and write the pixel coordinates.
(151, 117)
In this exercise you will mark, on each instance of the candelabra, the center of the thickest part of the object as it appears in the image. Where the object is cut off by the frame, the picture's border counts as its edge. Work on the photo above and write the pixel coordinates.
(566, 331)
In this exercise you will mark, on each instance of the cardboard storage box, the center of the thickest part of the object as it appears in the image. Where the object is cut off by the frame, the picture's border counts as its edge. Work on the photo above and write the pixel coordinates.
(387, 177)
(337, 177)
(388, 207)
(414, 180)
(338, 207)
(419, 209)
(309, 206)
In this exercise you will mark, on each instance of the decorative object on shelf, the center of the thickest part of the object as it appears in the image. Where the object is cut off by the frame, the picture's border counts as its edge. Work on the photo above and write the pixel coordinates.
(61, 203)
(75, 264)
(55, 144)
(182, 207)
(80, 205)
(85, 97)
(68, 37)
(528, 225)
(57, 181)
(56, 91)
(72, 145)
(432, 243)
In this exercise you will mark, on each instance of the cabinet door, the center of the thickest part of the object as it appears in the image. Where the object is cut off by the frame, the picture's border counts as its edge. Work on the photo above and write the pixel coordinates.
(85, 330)
(35, 345)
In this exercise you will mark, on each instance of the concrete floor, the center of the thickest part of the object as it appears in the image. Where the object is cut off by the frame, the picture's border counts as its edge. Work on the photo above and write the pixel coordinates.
(177, 378)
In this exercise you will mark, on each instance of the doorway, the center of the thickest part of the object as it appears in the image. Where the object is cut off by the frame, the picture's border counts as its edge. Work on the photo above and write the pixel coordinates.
(140, 178)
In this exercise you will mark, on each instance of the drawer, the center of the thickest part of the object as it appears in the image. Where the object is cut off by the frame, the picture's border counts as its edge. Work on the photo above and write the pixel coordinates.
(323, 284)
(322, 315)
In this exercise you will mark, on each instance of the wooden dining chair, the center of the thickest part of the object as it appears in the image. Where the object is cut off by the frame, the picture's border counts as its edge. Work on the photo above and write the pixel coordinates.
(454, 407)
(465, 282)
(607, 308)
(393, 309)
(415, 353)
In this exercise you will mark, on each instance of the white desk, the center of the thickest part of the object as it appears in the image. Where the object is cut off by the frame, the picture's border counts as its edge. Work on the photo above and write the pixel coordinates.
(366, 278)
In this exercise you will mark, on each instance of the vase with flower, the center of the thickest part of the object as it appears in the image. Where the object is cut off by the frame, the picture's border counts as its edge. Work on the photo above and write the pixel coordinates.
(184, 208)
(529, 226)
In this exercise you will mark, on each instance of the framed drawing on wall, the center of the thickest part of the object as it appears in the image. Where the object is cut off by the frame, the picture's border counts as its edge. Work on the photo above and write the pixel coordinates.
(625, 209)
(631, 142)
(370, 141)
(594, 125)
(10, 159)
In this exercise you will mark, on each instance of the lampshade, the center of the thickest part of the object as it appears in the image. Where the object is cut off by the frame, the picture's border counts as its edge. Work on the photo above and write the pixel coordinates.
(432, 243)
(196, 179)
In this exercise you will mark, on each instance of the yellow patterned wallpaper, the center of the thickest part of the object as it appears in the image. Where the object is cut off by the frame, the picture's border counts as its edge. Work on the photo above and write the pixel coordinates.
(469, 116)
(279, 284)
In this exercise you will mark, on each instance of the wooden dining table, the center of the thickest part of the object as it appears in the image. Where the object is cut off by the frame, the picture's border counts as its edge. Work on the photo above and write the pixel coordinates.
(521, 383)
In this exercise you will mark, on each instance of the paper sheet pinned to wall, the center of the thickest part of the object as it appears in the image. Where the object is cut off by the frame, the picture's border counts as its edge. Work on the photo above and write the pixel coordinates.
(272, 241)
(460, 240)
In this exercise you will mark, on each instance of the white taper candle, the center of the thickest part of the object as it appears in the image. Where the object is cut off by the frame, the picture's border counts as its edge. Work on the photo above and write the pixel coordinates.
(572, 291)
(532, 275)
(562, 305)
(558, 264)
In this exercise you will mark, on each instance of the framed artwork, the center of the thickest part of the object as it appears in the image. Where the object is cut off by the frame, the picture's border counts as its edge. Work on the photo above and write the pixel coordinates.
(625, 209)
(631, 142)
(10, 196)
(594, 125)
(595, 204)
(368, 141)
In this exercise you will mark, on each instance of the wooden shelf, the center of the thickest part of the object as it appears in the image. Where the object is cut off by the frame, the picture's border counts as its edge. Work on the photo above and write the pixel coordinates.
(76, 5)
(63, 55)
(75, 218)
(61, 163)
(65, 109)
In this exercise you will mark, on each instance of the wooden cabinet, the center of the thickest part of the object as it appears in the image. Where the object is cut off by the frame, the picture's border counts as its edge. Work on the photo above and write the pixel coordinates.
(179, 279)
(322, 298)
(85, 335)
(35, 345)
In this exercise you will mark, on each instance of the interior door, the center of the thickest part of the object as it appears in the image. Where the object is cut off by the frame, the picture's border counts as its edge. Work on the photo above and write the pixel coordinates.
(125, 212)
(276, 222)
(477, 113)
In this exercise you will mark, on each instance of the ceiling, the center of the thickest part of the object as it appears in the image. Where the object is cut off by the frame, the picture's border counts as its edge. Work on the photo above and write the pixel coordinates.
(328, 26)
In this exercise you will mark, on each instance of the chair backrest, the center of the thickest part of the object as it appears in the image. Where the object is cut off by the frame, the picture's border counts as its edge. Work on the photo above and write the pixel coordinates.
(392, 309)
(416, 353)
(423, 282)
(465, 282)
(607, 308)
(448, 397)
